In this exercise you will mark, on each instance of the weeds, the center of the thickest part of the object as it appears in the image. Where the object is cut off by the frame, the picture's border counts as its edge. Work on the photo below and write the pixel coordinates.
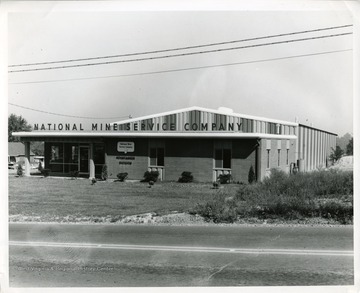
(326, 194)
(220, 209)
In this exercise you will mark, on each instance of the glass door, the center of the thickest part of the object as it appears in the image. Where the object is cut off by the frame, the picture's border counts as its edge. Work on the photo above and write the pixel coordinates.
(84, 159)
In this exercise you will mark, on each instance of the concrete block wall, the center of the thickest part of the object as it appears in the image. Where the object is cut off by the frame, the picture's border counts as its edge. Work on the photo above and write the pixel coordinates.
(138, 166)
(273, 155)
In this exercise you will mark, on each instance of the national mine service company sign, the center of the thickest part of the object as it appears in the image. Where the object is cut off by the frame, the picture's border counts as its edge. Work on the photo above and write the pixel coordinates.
(125, 147)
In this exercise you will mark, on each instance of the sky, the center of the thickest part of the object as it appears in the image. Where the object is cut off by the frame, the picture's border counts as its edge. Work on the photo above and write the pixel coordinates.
(316, 90)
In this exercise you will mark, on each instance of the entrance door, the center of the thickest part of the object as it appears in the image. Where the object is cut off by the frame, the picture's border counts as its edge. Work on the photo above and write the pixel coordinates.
(84, 159)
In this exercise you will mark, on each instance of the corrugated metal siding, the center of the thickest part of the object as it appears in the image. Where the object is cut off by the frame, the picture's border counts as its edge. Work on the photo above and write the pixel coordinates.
(196, 120)
(314, 147)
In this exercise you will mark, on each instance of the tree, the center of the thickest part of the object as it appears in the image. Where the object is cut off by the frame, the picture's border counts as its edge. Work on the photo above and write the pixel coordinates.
(349, 147)
(16, 123)
(343, 140)
(336, 154)
(37, 147)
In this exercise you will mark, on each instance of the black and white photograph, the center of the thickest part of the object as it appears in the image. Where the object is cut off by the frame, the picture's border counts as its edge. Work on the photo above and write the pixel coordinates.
(205, 146)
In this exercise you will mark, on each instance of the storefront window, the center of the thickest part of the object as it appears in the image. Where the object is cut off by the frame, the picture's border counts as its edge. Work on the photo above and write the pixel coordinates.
(99, 154)
(57, 153)
(157, 156)
(218, 158)
(223, 158)
(71, 153)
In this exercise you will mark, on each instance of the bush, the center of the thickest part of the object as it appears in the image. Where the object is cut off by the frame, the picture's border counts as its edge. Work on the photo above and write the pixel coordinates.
(104, 172)
(251, 176)
(216, 184)
(74, 174)
(326, 194)
(150, 176)
(336, 210)
(45, 172)
(221, 209)
(186, 177)
(122, 176)
(19, 170)
(224, 178)
(40, 167)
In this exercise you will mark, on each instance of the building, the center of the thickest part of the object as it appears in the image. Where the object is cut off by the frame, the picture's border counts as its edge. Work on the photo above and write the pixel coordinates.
(16, 153)
(202, 141)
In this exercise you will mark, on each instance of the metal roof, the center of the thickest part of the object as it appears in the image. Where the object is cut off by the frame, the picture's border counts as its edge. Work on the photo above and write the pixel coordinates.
(222, 111)
(220, 134)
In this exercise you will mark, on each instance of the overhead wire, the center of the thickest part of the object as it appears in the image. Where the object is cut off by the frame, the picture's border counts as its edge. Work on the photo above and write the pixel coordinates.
(64, 115)
(182, 48)
(185, 69)
(182, 54)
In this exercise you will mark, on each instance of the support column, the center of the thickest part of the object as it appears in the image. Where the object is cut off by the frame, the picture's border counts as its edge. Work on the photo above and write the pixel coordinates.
(27, 158)
(91, 162)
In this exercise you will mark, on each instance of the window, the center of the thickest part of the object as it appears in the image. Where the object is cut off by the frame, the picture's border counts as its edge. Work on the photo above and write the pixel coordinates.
(99, 158)
(157, 156)
(71, 153)
(268, 148)
(287, 157)
(99, 154)
(223, 158)
(57, 153)
(279, 155)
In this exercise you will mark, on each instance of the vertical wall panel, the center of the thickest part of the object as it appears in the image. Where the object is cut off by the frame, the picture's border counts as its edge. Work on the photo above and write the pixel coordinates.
(308, 167)
(316, 150)
(312, 149)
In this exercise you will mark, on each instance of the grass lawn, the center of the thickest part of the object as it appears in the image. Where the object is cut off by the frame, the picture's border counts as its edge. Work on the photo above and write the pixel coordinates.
(58, 197)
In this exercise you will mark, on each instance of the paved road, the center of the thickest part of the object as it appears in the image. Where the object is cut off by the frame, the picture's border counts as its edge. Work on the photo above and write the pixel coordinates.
(141, 255)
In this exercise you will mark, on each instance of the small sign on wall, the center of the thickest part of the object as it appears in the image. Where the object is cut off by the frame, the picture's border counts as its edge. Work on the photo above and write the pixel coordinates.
(125, 147)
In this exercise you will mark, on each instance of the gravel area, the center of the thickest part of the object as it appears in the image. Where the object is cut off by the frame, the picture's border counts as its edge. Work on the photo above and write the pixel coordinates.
(174, 219)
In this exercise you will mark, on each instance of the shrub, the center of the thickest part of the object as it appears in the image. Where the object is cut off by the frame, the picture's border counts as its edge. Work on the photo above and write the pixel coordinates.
(150, 176)
(224, 178)
(326, 194)
(186, 177)
(45, 172)
(216, 184)
(19, 170)
(336, 210)
(221, 209)
(104, 172)
(40, 167)
(122, 176)
(251, 176)
(74, 173)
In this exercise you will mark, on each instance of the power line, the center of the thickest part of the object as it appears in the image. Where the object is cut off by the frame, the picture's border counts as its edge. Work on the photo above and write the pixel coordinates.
(182, 54)
(184, 69)
(183, 48)
(64, 115)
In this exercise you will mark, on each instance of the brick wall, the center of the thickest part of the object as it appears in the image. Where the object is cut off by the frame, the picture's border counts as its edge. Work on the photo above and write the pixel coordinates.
(193, 155)
(136, 166)
(196, 156)
(243, 157)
